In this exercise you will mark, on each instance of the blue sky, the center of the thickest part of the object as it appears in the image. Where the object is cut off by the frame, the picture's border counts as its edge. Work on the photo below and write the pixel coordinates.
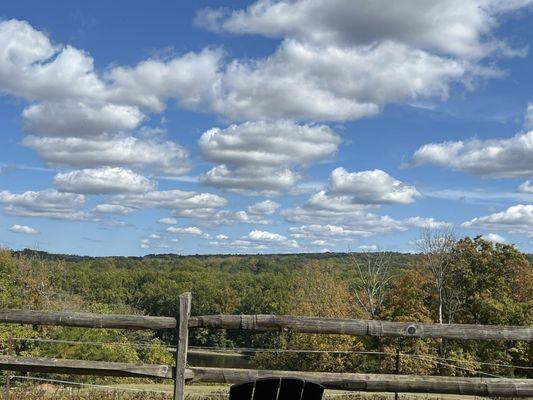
(270, 126)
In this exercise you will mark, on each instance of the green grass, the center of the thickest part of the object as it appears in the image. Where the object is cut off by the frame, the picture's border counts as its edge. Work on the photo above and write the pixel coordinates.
(193, 392)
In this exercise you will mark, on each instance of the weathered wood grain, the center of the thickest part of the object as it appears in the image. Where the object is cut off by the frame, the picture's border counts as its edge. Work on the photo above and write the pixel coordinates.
(379, 383)
(340, 381)
(362, 327)
(274, 323)
(78, 367)
(183, 342)
(85, 320)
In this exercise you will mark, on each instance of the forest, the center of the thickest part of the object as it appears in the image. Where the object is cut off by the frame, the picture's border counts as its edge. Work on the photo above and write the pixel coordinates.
(469, 280)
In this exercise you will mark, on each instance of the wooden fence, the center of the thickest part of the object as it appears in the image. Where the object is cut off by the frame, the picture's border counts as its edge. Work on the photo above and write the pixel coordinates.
(501, 387)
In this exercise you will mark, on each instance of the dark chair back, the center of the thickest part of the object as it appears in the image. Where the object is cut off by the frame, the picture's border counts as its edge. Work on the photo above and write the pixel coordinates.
(277, 389)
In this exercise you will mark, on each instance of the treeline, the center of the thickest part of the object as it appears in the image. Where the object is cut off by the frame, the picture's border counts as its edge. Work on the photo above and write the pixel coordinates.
(460, 281)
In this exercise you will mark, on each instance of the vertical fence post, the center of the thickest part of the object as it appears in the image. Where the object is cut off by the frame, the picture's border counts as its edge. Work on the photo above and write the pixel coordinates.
(182, 330)
(396, 394)
(8, 376)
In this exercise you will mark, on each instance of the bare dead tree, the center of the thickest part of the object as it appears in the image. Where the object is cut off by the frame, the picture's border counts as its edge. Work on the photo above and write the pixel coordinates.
(436, 247)
(374, 276)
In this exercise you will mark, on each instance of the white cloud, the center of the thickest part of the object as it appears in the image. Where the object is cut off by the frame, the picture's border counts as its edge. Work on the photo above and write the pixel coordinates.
(34, 69)
(371, 187)
(76, 119)
(425, 223)
(213, 216)
(157, 242)
(307, 81)
(451, 27)
(189, 230)
(258, 155)
(105, 180)
(368, 247)
(191, 79)
(47, 203)
(268, 144)
(246, 180)
(27, 230)
(228, 217)
(526, 187)
(342, 209)
(344, 59)
(325, 232)
(266, 207)
(170, 199)
(112, 209)
(326, 68)
(515, 219)
(494, 158)
(221, 237)
(263, 240)
(264, 236)
(528, 119)
(168, 221)
(162, 156)
(494, 237)
(351, 195)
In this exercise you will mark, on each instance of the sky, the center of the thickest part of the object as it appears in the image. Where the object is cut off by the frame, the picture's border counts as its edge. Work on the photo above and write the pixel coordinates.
(129, 128)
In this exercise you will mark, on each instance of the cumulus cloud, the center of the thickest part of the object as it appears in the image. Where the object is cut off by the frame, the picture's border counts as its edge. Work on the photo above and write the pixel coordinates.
(265, 207)
(341, 59)
(344, 208)
(368, 247)
(81, 119)
(112, 209)
(325, 232)
(259, 155)
(371, 187)
(526, 187)
(445, 26)
(355, 192)
(33, 68)
(189, 230)
(170, 199)
(246, 180)
(167, 221)
(528, 119)
(494, 158)
(229, 217)
(305, 81)
(268, 143)
(105, 180)
(494, 237)
(76, 119)
(27, 230)
(162, 156)
(326, 68)
(47, 203)
(189, 78)
(515, 219)
(264, 240)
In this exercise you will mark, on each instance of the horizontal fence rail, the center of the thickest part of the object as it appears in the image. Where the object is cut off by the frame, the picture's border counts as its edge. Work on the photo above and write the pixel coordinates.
(86, 320)
(79, 367)
(362, 327)
(264, 323)
(339, 381)
(379, 382)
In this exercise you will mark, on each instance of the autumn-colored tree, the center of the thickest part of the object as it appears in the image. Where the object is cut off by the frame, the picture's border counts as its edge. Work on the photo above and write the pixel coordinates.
(494, 283)
(407, 301)
(317, 292)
